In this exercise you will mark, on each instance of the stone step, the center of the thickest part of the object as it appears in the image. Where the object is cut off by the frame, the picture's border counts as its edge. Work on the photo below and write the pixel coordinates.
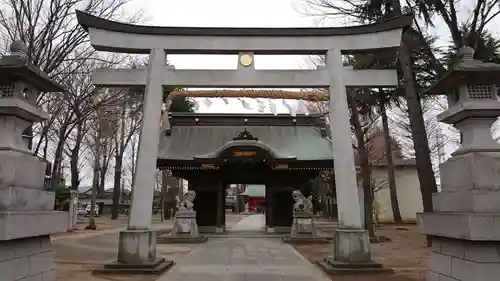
(155, 268)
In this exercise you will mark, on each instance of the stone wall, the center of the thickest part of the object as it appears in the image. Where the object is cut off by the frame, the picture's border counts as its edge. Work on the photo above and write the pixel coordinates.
(458, 260)
(27, 259)
(409, 195)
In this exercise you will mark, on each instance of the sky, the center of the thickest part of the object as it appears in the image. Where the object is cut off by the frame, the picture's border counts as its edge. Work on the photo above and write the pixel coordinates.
(244, 13)
(227, 13)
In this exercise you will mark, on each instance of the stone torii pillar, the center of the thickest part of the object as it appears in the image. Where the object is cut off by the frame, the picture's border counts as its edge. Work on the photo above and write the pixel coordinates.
(137, 244)
(351, 241)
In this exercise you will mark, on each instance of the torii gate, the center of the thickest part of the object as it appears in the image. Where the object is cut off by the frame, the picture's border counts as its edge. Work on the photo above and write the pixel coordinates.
(137, 244)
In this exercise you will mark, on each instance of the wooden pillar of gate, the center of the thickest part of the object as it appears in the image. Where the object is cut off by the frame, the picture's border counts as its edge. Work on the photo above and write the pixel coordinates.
(270, 205)
(221, 214)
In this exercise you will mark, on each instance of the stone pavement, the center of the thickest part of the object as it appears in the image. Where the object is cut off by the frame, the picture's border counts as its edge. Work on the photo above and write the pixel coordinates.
(252, 222)
(98, 247)
(244, 259)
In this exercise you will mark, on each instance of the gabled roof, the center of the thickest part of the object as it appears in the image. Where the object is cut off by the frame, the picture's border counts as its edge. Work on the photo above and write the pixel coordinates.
(300, 137)
(197, 136)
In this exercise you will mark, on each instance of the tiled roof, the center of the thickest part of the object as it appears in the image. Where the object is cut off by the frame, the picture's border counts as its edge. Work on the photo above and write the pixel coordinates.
(304, 137)
(304, 140)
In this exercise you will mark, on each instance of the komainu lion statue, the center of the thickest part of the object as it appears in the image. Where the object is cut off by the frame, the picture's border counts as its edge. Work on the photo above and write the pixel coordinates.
(302, 204)
(187, 202)
(299, 199)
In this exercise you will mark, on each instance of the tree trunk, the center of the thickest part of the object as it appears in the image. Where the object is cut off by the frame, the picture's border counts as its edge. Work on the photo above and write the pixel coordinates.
(102, 179)
(419, 134)
(104, 168)
(42, 138)
(75, 175)
(365, 168)
(391, 177)
(117, 186)
(95, 179)
(56, 168)
(95, 184)
(164, 205)
(324, 202)
(120, 149)
(75, 156)
(133, 163)
(45, 148)
(122, 190)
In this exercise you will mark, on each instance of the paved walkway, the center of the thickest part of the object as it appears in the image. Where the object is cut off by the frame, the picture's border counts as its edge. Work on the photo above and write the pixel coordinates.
(252, 222)
(244, 259)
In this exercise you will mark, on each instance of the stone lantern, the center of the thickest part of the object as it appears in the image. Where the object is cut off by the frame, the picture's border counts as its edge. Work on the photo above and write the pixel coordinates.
(26, 210)
(465, 224)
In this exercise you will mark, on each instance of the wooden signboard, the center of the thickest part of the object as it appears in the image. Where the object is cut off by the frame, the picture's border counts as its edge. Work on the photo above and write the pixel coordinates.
(244, 153)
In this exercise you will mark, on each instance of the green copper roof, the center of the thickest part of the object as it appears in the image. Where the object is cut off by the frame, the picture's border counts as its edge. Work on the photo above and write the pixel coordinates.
(188, 141)
(255, 190)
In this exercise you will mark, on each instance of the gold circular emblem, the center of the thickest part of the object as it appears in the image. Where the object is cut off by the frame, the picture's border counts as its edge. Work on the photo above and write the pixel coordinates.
(246, 60)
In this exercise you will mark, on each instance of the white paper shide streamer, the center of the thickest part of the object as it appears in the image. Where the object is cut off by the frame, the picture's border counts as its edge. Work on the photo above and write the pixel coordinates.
(302, 108)
(207, 102)
(290, 109)
(261, 106)
(246, 105)
(273, 108)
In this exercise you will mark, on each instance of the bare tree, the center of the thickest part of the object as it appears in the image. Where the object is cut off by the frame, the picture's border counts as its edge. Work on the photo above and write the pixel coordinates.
(59, 47)
(50, 30)
(72, 119)
(127, 120)
(133, 155)
(399, 120)
(95, 178)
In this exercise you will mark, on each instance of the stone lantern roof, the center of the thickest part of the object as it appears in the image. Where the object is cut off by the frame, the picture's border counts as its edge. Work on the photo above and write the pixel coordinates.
(471, 87)
(466, 71)
(21, 82)
(16, 66)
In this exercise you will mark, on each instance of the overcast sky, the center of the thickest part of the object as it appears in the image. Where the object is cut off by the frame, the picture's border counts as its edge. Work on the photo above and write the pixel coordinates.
(228, 13)
(244, 13)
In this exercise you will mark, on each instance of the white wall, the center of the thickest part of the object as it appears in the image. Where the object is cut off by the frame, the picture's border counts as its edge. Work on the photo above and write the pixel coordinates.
(409, 196)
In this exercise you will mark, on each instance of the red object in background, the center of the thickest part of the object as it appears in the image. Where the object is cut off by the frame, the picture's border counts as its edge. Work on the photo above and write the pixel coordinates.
(255, 196)
(254, 203)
